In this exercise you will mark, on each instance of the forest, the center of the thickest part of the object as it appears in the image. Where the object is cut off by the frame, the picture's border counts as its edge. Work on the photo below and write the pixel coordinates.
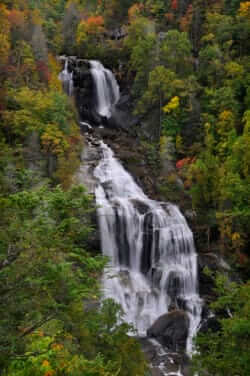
(185, 65)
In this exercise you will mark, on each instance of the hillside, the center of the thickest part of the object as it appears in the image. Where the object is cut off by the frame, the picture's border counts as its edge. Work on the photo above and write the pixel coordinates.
(182, 129)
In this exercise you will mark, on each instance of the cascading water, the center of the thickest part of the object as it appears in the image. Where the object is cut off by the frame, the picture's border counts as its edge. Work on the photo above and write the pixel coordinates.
(153, 263)
(106, 87)
(67, 78)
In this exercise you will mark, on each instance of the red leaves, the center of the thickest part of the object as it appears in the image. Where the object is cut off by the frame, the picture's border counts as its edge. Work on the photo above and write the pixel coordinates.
(174, 4)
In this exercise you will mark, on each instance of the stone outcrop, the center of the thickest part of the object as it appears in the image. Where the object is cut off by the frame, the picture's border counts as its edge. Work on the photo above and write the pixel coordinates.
(171, 330)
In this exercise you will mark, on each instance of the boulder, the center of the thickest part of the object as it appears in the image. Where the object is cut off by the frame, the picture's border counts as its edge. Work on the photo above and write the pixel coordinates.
(171, 330)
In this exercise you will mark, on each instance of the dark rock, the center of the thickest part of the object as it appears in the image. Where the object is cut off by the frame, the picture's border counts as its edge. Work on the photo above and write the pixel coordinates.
(121, 119)
(85, 127)
(171, 330)
(210, 324)
(174, 284)
(140, 206)
(117, 33)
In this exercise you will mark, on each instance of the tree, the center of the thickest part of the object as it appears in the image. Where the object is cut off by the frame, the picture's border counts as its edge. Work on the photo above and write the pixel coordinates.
(227, 350)
(4, 36)
(47, 277)
(39, 246)
(39, 44)
(176, 52)
(69, 27)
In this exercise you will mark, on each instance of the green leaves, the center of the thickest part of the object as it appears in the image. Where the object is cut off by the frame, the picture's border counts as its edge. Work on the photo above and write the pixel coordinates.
(227, 351)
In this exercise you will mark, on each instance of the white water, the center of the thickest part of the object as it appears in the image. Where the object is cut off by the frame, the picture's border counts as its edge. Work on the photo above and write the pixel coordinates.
(107, 89)
(67, 78)
(153, 262)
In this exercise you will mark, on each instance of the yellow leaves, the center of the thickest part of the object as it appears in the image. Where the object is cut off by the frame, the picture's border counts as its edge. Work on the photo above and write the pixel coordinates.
(54, 67)
(4, 48)
(45, 363)
(235, 236)
(244, 10)
(234, 69)
(208, 38)
(54, 141)
(4, 34)
(81, 34)
(172, 105)
(134, 11)
(225, 115)
(47, 366)
(225, 123)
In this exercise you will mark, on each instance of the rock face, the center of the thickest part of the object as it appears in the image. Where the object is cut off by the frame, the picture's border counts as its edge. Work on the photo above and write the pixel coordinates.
(171, 330)
(210, 324)
(121, 117)
(78, 73)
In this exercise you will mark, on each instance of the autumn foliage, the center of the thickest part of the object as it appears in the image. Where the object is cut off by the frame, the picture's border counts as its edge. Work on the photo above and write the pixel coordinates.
(174, 5)
(94, 24)
(184, 162)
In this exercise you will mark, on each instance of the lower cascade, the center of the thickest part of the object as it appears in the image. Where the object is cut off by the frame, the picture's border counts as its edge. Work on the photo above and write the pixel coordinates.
(152, 272)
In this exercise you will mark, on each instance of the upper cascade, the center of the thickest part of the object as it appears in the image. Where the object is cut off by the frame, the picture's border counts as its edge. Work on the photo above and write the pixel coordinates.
(67, 78)
(94, 87)
(107, 89)
(153, 263)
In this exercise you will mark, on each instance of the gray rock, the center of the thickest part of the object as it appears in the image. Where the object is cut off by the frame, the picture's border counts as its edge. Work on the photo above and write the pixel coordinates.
(171, 330)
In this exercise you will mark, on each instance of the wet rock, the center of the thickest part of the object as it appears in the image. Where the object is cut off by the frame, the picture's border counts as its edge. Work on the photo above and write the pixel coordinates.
(140, 206)
(171, 330)
(174, 285)
(163, 362)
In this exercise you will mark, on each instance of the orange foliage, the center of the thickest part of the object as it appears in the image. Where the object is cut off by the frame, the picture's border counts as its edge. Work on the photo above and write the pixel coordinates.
(49, 373)
(169, 16)
(186, 20)
(73, 140)
(57, 346)
(183, 162)
(135, 10)
(45, 363)
(95, 24)
(16, 18)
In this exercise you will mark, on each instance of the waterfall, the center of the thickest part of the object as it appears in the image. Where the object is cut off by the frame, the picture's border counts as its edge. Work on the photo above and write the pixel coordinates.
(67, 78)
(152, 259)
(153, 262)
(106, 88)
